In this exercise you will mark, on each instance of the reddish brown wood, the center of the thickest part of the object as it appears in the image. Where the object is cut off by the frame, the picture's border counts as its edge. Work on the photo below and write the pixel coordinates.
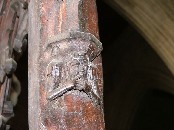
(8, 28)
(7, 31)
(74, 110)
(12, 22)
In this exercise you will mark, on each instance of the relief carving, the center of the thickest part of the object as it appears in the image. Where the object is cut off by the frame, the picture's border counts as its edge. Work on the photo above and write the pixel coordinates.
(69, 66)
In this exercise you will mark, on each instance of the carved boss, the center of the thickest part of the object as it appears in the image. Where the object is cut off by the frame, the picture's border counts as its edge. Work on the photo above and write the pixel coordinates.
(69, 65)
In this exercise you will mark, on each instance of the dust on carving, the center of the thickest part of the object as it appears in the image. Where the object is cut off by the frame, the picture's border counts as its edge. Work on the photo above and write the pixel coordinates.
(69, 66)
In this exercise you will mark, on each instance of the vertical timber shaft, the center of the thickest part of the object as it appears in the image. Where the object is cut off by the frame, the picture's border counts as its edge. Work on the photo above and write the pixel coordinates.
(65, 69)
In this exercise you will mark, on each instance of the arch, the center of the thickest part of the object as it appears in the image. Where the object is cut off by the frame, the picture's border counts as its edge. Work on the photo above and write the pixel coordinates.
(155, 21)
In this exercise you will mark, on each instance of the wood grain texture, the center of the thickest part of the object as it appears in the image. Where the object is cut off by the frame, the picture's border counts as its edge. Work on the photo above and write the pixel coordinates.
(33, 89)
(74, 110)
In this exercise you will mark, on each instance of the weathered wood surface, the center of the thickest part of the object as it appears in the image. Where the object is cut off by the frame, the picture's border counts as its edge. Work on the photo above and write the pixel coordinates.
(69, 109)
(13, 22)
(8, 28)
(155, 20)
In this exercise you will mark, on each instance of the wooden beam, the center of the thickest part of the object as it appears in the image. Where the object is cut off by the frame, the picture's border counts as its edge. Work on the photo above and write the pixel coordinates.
(65, 69)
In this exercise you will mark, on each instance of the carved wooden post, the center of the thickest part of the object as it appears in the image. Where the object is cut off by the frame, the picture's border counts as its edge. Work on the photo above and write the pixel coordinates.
(65, 69)
(13, 30)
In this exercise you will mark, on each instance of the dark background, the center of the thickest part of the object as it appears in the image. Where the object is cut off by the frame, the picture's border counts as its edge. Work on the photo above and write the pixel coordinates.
(136, 81)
